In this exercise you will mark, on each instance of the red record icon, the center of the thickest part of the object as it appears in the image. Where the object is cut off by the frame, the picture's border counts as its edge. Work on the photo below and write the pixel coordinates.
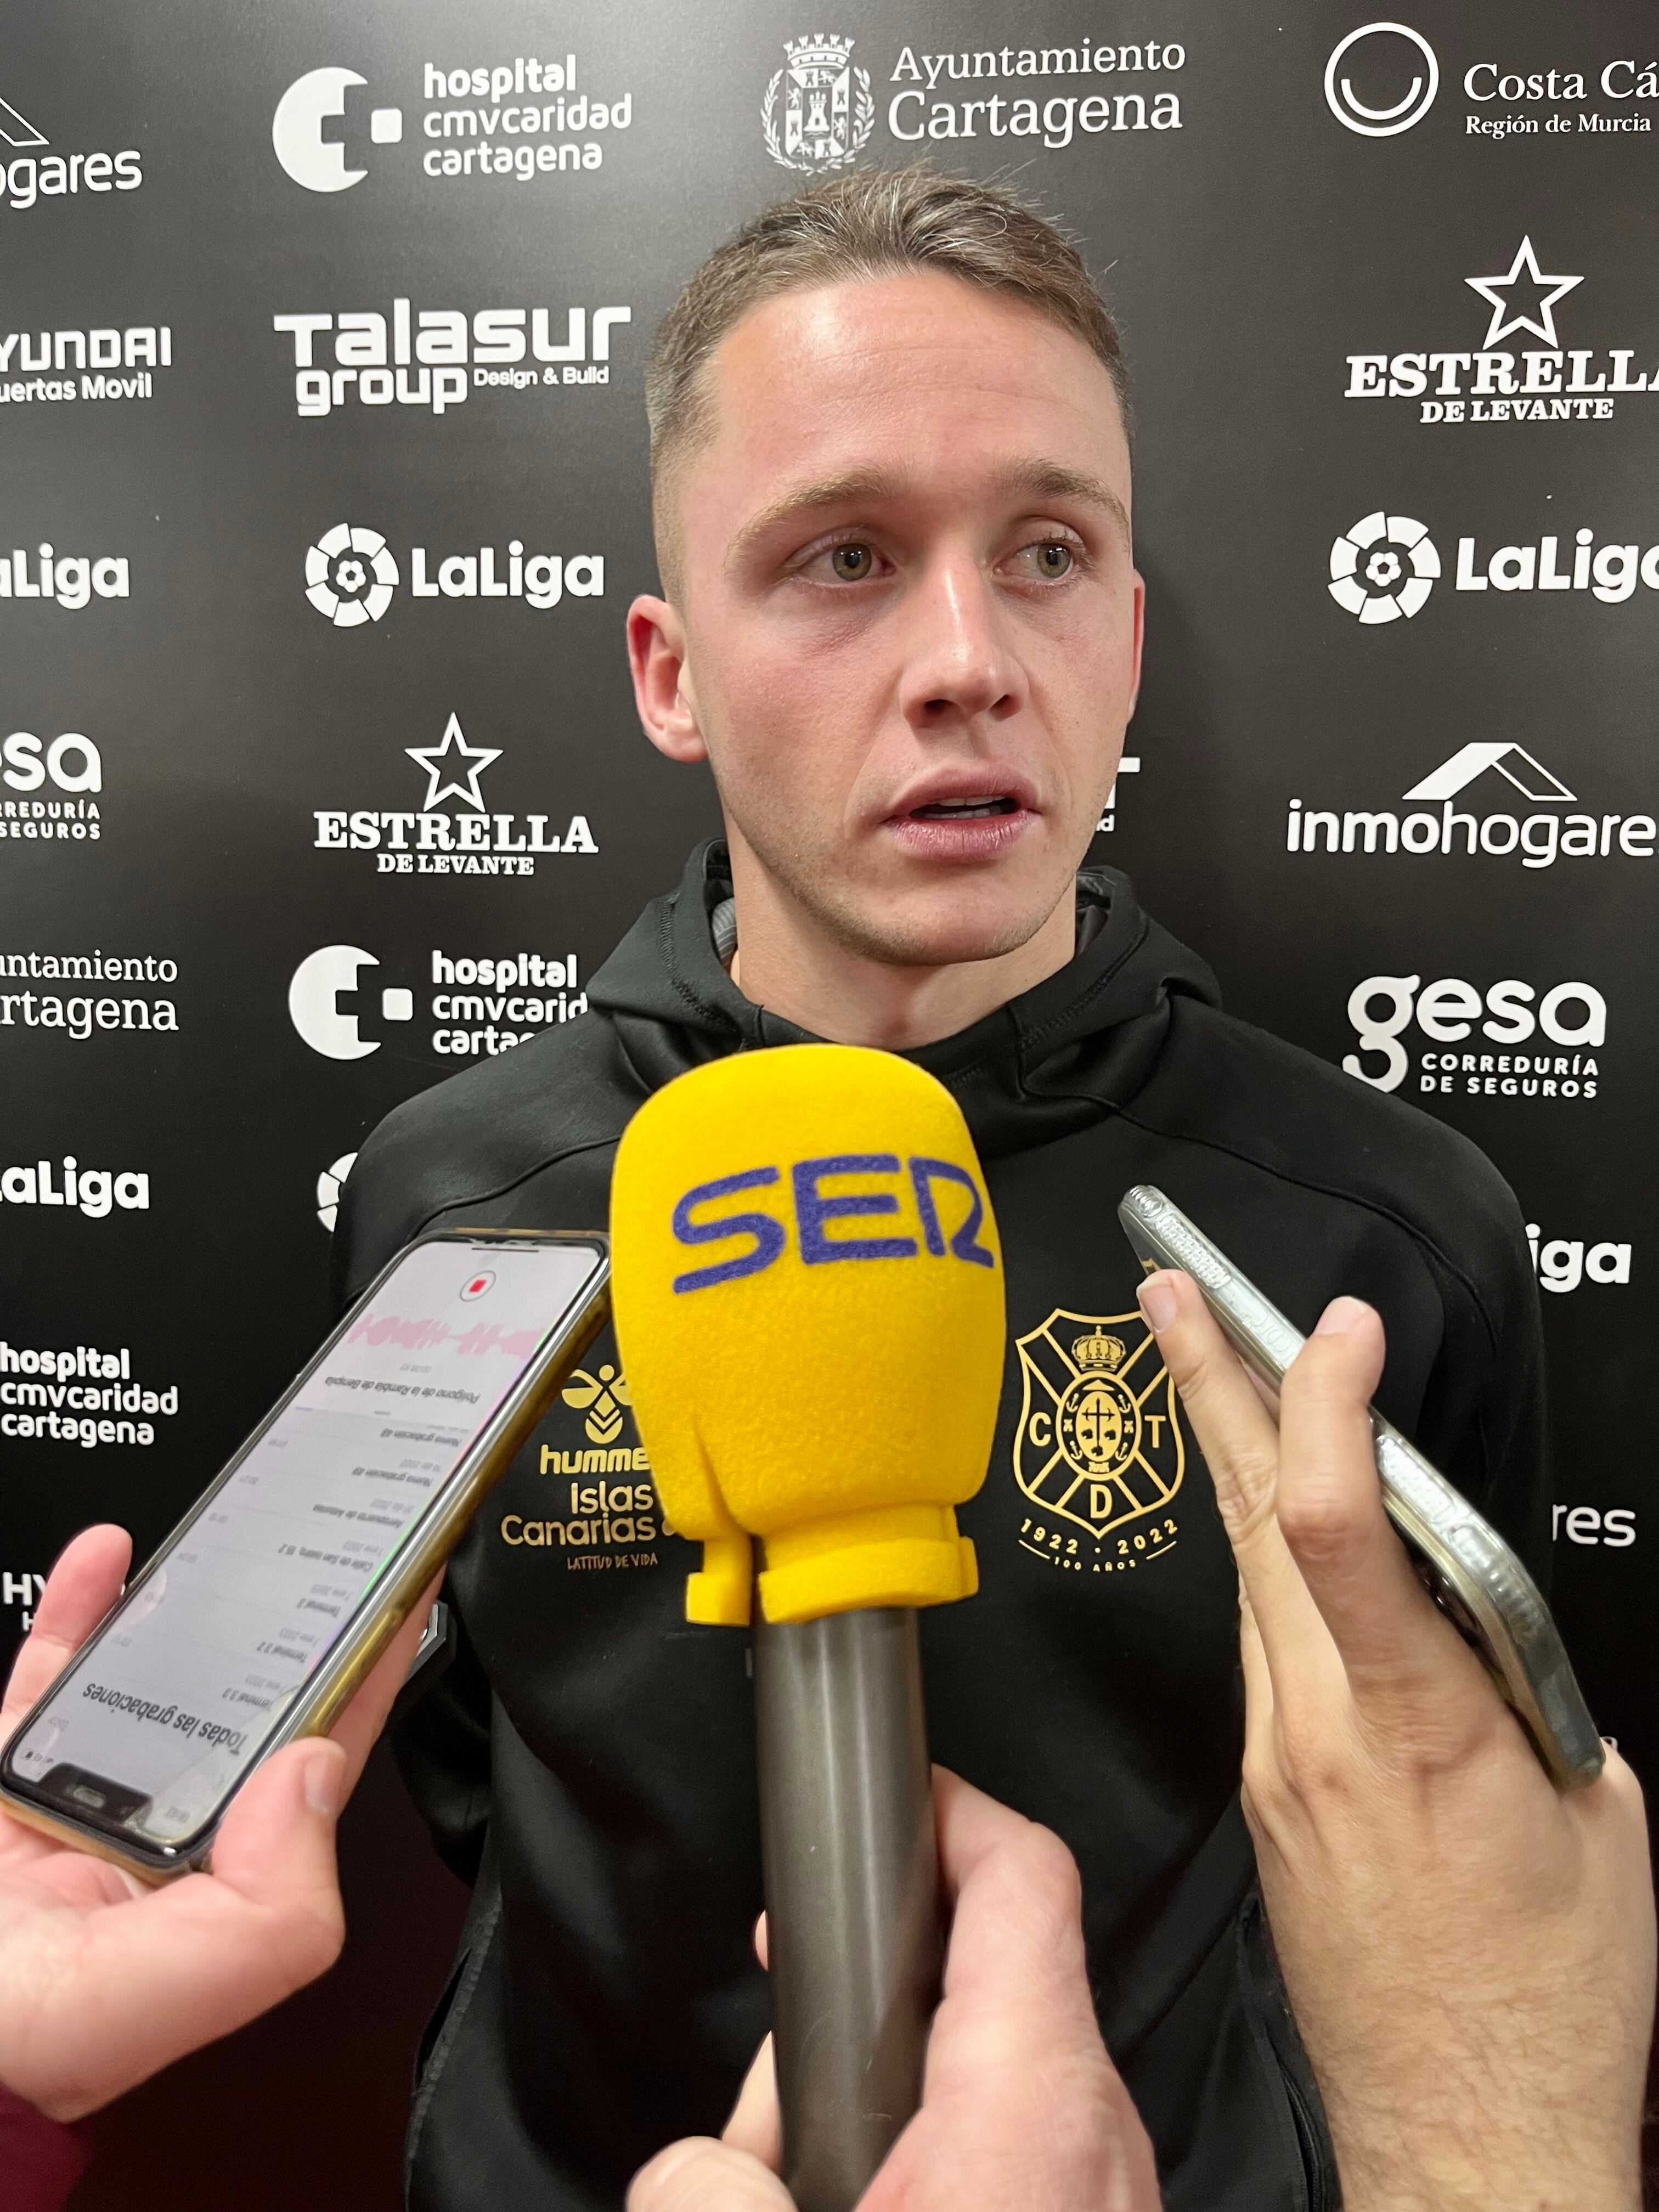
(476, 1286)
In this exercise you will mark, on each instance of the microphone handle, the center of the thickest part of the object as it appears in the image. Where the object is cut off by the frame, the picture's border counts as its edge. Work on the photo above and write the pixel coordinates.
(850, 1860)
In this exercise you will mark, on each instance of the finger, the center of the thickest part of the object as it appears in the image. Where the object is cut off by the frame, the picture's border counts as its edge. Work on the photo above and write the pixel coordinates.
(79, 1590)
(1240, 1444)
(1330, 1507)
(701, 2175)
(971, 1827)
(176, 1968)
(275, 1847)
(1258, 1682)
(762, 1951)
(757, 2124)
(1016, 1944)
(358, 1729)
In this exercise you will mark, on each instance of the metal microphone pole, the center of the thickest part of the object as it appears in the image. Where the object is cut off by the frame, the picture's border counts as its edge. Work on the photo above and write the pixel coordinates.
(851, 1867)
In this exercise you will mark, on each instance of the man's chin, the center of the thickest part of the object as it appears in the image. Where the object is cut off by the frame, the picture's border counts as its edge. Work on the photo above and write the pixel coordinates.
(949, 931)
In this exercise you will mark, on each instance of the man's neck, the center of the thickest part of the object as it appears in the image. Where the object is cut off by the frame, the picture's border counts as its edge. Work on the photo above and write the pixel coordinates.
(792, 966)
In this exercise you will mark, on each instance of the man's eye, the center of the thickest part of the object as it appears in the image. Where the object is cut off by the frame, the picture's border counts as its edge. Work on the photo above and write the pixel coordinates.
(851, 564)
(1052, 558)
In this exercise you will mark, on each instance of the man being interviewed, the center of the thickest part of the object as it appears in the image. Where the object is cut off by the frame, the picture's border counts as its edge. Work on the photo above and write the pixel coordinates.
(901, 622)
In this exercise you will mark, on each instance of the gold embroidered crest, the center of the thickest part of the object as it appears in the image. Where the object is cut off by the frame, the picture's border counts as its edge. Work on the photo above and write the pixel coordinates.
(1099, 1442)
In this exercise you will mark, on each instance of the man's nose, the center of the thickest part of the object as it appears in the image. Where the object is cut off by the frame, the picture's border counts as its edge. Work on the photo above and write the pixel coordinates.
(959, 664)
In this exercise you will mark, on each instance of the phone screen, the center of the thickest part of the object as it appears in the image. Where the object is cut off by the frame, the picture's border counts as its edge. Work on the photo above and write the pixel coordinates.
(156, 1722)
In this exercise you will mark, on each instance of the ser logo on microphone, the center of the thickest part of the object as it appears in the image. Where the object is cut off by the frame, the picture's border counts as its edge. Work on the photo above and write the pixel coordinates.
(814, 1209)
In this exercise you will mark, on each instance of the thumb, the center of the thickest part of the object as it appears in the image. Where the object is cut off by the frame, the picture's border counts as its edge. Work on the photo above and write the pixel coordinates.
(702, 2175)
(275, 1848)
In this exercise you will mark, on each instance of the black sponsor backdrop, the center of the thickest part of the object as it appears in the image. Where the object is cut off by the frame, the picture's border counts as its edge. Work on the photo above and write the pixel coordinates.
(1252, 245)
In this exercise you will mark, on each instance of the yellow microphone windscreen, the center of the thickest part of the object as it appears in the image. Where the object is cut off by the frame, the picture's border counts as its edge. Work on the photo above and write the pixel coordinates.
(809, 1302)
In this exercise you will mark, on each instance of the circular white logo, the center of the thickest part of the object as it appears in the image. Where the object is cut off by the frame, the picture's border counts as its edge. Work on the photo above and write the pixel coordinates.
(328, 1189)
(1384, 568)
(1351, 112)
(350, 575)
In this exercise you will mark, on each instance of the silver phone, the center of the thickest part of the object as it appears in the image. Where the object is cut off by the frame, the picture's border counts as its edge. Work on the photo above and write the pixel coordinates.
(259, 1617)
(1468, 1569)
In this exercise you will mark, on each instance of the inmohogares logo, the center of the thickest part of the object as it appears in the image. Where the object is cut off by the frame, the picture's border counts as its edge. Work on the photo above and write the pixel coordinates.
(454, 830)
(1559, 1030)
(524, 120)
(1383, 569)
(1516, 369)
(482, 1007)
(351, 574)
(30, 175)
(1449, 813)
(1397, 67)
(1384, 566)
(59, 778)
(432, 357)
(69, 580)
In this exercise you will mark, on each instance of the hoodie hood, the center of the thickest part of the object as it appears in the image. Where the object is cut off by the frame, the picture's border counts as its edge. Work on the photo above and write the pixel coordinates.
(1051, 1061)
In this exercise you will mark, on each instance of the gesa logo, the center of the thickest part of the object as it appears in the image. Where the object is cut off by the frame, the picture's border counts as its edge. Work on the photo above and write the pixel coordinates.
(815, 1209)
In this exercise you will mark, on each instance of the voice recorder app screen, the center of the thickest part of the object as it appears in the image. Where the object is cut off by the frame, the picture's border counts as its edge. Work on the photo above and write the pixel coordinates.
(174, 1704)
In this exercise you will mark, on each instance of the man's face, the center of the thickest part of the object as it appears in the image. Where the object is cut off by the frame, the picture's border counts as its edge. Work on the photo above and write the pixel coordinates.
(911, 616)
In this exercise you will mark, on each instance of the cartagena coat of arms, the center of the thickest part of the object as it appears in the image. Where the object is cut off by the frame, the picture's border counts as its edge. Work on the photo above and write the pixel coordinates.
(1099, 1441)
(827, 110)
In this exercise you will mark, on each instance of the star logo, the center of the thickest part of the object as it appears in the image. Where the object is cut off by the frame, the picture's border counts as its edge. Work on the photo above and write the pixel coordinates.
(446, 770)
(1541, 320)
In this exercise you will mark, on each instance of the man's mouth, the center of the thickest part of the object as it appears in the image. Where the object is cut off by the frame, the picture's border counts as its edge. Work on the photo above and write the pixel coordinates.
(963, 810)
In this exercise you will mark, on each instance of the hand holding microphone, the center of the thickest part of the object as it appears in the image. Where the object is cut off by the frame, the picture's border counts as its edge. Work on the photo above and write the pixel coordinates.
(809, 1300)
(1022, 2110)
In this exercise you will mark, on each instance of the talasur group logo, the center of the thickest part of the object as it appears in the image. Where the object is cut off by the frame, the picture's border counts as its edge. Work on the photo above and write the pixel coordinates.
(350, 575)
(1383, 569)
(818, 110)
(1393, 50)
(296, 129)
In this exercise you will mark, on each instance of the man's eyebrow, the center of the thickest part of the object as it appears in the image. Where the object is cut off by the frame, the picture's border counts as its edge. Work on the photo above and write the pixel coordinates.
(1052, 480)
(851, 488)
(1037, 479)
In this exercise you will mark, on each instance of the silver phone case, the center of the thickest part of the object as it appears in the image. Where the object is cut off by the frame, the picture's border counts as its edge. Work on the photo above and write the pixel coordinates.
(1471, 1573)
(385, 1604)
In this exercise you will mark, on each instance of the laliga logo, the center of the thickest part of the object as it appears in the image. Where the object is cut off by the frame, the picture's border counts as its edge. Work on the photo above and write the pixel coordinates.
(329, 1185)
(1384, 568)
(313, 996)
(296, 131)
(1351, 112)
(350, 575)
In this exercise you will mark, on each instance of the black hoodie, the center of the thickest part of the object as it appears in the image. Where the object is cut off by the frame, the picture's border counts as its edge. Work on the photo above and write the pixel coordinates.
(588, 1760)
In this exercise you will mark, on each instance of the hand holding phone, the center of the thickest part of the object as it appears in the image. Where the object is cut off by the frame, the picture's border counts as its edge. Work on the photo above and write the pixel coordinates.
(103, 1980)
(259, 1616)
(1468, 1569)
(1467, 1948)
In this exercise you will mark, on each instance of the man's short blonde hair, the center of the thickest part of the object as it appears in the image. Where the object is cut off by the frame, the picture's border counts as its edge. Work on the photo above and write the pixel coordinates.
(869, 224)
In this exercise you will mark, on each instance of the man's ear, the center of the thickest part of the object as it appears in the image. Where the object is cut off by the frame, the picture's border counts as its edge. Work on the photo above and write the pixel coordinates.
(1140, 641)
(663, 690)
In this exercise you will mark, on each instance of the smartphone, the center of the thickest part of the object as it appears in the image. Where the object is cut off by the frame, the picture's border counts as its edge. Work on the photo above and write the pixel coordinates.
(262, 1612)
(1468, 1569)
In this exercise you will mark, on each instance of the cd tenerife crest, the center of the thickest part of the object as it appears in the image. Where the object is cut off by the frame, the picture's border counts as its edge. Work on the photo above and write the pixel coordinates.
(1099, 1442)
